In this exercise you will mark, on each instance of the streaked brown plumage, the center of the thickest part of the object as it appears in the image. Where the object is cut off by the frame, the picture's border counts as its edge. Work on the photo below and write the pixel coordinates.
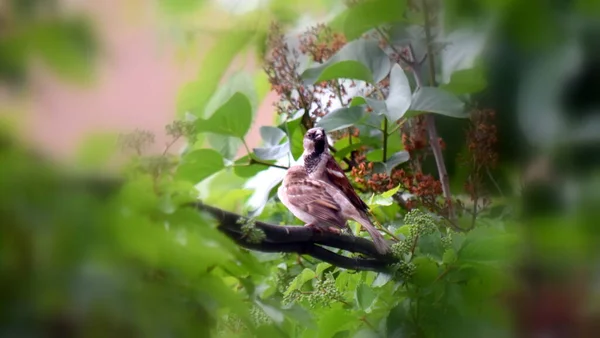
(321, 205)
(321, 165)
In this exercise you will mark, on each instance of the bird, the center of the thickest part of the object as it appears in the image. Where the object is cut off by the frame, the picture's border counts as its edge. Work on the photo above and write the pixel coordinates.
(321, 165)
(322, 206)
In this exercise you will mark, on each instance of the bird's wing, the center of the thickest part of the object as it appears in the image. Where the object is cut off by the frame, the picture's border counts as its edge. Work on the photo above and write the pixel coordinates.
(313, 198)
(336, 176)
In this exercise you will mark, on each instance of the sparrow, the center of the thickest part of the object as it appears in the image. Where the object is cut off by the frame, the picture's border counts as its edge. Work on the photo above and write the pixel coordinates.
(323, 206)
(321, 165)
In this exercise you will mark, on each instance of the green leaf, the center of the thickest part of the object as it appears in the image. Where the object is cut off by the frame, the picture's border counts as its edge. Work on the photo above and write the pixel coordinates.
(321, 267)
(385, 199)
(199, 164)
(381, 280)
(272, 153)
(240, 82)
(439, 101)
(399, 98)
(271, 135)
(335, 320)
(358, 60)
(341, 118)
(298, 282)
(426, 271)
(194, 96)
(392, 162)
(243, 169)
(231, 119)
(466, 81)
(227, 146)
(364, 296)
(370, 14)
(449, 256)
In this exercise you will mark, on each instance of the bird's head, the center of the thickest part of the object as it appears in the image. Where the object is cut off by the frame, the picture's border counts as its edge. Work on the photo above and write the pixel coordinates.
(315, 141)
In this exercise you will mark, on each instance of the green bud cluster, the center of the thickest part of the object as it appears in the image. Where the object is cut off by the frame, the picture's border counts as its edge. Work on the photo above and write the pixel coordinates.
(402, 248)
(404, 270)
(250, 231)
(259, 317)
(282, 280)
(420, 223)
(324, 293)
(447, 240)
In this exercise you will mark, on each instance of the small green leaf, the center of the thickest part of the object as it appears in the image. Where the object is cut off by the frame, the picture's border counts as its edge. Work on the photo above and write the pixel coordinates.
(439, 101)
(358, 60)
(341, 118)
(199, 164)
(298, 282)
(231, 119)
(399, 98)
(370, 14)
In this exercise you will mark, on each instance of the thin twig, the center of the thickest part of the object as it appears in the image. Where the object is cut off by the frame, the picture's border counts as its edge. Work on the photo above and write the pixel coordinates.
(255, 161)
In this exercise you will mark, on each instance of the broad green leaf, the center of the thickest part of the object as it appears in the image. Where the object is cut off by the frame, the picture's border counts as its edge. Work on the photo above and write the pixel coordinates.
(392, 162)
(466, 81)
(358, 60)
(341, 118)
(439, 101)
(194, 96)
(239, 82)
(242, 168)
(426, 271)
(231, 119)
(298, 282)
(227, 146)
(335, 320)
(199, 164)
(381, 280)
(272, 153)
(271, 135)
(370, 14)
(364, 296)
(399, 98)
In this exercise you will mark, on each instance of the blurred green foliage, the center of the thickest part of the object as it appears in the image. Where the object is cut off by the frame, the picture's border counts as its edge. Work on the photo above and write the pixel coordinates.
(85, 255)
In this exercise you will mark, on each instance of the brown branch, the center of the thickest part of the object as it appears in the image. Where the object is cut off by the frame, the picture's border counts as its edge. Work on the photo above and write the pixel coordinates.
(304, 241)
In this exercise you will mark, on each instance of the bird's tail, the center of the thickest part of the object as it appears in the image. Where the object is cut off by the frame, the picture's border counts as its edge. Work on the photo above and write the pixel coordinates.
(380, 244)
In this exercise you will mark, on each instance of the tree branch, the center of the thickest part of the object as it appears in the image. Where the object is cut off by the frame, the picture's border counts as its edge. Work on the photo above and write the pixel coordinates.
(430, 120)
(304, 241)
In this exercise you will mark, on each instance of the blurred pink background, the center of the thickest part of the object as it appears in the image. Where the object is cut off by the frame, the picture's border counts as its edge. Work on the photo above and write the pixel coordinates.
(136, 83)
